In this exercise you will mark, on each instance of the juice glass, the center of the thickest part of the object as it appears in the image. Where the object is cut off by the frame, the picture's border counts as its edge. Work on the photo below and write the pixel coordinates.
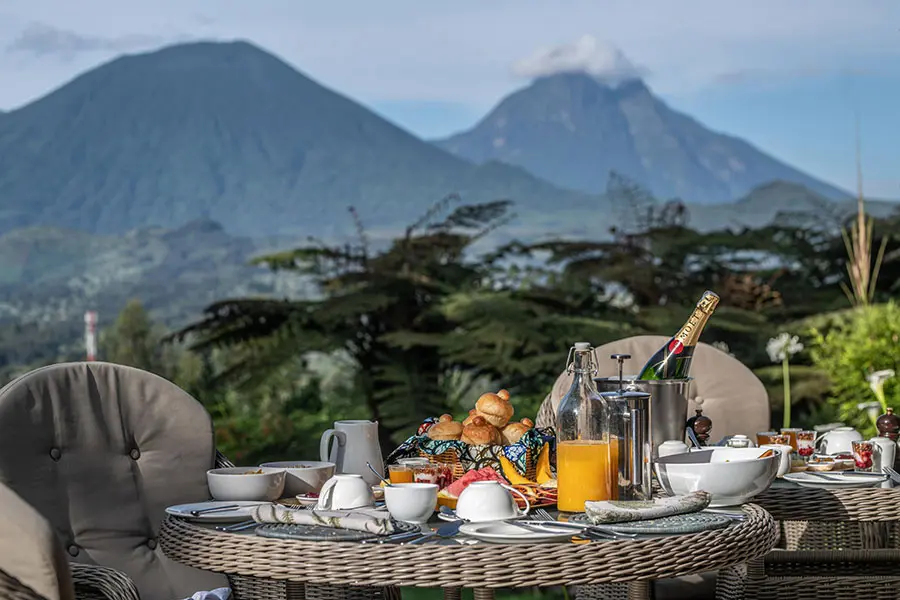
(400, 474)
(584, 469)
(792, 435)
(765, 437)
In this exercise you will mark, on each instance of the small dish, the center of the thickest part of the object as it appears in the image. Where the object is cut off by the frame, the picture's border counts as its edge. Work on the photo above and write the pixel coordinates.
(241, 513)
(499, 532)
(835, 480)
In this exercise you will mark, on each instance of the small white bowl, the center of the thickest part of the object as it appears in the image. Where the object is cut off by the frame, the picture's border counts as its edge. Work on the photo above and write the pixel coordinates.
(731, 475)
(303, 476)
(411, 502)
(245, 483)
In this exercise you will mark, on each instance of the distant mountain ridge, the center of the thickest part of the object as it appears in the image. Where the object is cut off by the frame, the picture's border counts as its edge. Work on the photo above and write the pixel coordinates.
(230, 132)
(571, 130)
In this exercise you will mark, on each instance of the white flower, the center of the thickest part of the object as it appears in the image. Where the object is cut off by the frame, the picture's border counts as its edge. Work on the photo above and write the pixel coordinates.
(873, 408)
(783, 346)
(878, 378)
(723, 347)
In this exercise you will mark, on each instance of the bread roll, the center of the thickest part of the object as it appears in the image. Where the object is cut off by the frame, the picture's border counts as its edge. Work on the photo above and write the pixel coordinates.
(480, 433)
(514, 431)
(472, 414)
(445, 429)
(503, 394)
(494, 409)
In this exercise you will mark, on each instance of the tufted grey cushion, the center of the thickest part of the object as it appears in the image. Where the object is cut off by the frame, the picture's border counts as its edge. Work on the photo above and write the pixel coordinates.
(30, 550)
(101, 450)
(733, 397)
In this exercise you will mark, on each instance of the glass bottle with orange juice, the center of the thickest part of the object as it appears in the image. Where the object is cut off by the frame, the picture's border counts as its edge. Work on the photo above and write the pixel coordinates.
(584, 465)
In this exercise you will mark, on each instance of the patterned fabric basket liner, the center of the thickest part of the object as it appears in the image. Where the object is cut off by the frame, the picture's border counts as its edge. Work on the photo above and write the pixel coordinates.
(461, 457)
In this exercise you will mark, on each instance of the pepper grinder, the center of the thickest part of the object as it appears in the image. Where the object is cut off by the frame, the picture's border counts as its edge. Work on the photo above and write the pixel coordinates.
(888, 425)
(700, 424)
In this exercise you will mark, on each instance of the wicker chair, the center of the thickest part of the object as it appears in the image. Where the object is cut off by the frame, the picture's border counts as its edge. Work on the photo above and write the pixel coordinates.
(841, 544)
(100, 451)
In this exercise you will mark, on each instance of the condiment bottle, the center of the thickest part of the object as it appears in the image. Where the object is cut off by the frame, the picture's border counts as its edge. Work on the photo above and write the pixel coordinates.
(583, 461)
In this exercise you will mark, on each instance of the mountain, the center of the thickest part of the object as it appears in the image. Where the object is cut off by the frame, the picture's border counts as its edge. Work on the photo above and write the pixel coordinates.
(50, 277)
(572, 130)
(228, 132)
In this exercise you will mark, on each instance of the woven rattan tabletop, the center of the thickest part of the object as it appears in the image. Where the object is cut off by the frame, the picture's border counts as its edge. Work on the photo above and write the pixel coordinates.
(794, 503)
(477, 565)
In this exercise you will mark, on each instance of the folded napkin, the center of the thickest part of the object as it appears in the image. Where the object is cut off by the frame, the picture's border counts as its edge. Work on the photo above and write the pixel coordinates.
(364, 519)
(216, 594)
(612, 511)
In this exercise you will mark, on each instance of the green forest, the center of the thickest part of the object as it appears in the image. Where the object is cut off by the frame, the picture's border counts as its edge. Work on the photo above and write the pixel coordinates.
(422, 325)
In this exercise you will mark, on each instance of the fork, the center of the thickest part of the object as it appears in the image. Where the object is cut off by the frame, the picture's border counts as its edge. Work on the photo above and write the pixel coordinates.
(540, 514)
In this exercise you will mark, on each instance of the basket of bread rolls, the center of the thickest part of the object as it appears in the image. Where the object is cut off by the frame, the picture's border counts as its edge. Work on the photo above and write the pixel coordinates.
(490, 437)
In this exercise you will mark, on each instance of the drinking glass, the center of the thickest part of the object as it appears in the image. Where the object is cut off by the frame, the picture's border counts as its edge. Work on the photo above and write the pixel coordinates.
(400, 474)
(806, 444)
(765, 437)
(792, 435)
(863, 451)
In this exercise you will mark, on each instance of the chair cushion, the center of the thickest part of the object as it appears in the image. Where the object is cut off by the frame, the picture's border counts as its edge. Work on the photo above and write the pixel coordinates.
(733, 397)
(101, 450)
(30, 550)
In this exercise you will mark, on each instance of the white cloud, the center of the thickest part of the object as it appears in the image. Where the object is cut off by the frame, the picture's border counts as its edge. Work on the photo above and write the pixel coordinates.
(586, 55)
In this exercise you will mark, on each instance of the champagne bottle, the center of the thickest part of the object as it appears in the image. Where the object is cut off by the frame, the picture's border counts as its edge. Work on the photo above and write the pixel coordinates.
(673, 360)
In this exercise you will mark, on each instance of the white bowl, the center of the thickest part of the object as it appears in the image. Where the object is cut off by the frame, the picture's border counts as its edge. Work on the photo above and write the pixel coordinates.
(411, 502)
(731, 475)
(245, 483)
(303, 476)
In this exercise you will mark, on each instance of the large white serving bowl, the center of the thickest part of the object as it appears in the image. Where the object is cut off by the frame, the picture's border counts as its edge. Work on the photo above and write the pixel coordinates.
(245, 483)
(730, 475)
(303, 476)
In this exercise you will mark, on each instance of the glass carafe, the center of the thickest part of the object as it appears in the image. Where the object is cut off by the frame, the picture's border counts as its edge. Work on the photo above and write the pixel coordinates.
(584, 465)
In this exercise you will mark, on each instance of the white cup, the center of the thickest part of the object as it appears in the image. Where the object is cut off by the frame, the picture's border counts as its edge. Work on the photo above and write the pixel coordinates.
(885, 452)
(784, 461)
(670, 447)
(411, 502)
(489, 501)
(343, 492)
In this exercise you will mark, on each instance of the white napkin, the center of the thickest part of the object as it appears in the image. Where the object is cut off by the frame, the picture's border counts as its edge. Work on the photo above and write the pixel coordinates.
(373, 520)
(216, 594)
(613, 511)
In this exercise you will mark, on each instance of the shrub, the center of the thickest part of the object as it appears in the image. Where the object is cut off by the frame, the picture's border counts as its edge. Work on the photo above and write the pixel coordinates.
(864, 341)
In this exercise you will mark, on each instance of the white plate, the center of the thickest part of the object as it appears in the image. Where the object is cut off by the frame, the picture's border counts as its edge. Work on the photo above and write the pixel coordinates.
(450, 517)
(834, 480)
(242, 513)
(498, 532)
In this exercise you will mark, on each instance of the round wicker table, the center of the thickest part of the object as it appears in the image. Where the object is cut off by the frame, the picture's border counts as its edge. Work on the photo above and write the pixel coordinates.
(485, 567)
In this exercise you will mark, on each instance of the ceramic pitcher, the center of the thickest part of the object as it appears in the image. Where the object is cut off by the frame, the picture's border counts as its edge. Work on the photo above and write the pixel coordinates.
(355, 444)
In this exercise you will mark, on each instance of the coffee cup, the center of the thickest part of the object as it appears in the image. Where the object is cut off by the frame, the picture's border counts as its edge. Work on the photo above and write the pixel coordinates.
(411, 502)
(784, 461)
(489, 501)
(344, 492)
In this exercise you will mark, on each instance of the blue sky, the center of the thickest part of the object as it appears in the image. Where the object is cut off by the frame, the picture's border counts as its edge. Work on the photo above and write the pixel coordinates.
(786, 76)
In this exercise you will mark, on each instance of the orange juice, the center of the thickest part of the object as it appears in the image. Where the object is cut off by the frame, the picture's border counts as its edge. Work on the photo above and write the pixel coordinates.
(400, 474)
(585, 471)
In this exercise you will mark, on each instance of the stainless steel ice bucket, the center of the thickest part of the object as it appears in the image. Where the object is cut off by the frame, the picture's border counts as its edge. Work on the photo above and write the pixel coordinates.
(668, 404)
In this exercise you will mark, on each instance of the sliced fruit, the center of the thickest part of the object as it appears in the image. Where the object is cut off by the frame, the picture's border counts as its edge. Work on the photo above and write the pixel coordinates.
(511, 474)
(544, 473)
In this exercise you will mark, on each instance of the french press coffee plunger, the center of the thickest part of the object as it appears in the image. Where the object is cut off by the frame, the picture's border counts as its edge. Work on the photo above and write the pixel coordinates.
(629, 428)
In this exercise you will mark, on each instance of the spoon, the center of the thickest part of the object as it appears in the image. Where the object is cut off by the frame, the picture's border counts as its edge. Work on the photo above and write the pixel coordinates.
(379, 475)
(693, 437)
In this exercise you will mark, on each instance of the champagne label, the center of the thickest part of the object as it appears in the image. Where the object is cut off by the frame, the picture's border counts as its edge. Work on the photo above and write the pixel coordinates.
(690, 331)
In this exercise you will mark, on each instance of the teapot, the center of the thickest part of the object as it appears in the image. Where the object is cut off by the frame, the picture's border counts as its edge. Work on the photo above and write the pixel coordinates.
(838, 440)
